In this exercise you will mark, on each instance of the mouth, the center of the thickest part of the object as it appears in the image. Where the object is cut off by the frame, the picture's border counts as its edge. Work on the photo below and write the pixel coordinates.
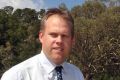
(58, 49)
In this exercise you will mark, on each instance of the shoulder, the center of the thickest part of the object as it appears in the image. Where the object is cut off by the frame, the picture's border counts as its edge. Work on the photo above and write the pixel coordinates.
(17, 70)
(74, 70)
(72, 67)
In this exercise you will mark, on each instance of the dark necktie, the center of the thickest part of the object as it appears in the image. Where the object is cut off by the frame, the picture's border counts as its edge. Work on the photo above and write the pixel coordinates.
(58, 70)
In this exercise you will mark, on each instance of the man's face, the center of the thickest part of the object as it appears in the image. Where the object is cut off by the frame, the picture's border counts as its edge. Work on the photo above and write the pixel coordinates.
(56, 39)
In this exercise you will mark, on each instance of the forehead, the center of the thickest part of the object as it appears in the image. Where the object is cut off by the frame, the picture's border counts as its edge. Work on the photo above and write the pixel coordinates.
(56, 22)
(56, 19)
(56, 16)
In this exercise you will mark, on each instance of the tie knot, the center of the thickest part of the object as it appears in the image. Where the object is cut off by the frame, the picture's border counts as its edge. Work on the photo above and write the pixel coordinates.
(58, 68)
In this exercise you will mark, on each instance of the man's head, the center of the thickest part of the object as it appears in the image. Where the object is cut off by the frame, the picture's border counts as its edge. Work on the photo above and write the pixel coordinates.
(56, 35)
(63, 13)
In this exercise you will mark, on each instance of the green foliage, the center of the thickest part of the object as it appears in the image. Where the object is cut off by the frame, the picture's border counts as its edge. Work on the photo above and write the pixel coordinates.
(97, 47)
(62, 6)
(92, 9)
(18, 36)
(76, 11)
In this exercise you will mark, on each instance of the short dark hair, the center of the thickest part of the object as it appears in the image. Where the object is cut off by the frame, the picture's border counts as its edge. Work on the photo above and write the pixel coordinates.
(65, 14)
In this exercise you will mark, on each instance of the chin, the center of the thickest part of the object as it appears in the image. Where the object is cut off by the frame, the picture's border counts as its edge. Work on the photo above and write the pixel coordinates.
(59, 60)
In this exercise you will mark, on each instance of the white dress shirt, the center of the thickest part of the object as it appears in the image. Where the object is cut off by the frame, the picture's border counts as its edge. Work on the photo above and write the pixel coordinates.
(40, 68)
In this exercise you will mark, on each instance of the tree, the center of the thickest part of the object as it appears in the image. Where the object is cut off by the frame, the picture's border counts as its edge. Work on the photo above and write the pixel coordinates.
(18, 36)
(76, 11)
(92, 9)
(97, 43)
(63, 6)
(8, 9)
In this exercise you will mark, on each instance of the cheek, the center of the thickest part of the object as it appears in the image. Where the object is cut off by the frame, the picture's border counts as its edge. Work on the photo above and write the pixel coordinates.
(68, 42)
(49, 42)
(68, 45)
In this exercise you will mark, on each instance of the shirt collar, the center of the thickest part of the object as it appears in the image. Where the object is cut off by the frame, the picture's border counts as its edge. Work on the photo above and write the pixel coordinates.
(47, 64)
(65, 66)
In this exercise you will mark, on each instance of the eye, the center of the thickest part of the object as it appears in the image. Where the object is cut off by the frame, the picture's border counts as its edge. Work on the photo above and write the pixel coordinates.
(65, 36)
(53, 35)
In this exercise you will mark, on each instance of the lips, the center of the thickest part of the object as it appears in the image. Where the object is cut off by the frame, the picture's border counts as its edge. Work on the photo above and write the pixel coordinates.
(58, 48)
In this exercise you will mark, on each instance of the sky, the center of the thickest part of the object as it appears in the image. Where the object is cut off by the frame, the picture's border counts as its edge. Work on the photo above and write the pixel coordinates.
(39, 4)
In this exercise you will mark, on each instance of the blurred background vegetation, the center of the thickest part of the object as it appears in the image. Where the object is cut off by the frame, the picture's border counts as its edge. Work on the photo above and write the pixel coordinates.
(97, 32)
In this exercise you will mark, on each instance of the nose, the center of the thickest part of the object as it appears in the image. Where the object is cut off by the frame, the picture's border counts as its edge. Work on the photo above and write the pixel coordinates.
(59, 40)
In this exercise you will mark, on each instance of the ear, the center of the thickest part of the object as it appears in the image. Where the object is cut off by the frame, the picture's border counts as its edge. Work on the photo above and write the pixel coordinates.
(41, 37)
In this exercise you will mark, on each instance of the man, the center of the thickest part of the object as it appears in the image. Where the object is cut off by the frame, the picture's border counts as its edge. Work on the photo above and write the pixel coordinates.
(57, 36)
